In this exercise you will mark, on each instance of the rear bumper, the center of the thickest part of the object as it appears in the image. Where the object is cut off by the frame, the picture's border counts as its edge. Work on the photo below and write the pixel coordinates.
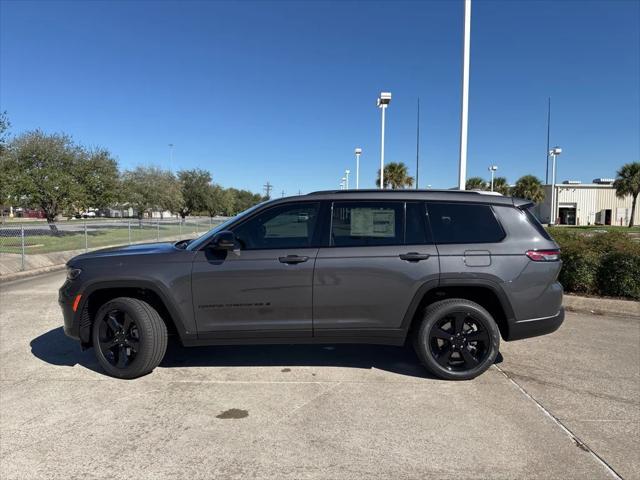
(535, 326)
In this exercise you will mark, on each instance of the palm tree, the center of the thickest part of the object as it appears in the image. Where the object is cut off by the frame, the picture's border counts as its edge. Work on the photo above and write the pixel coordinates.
(476, 183)
(628, 183)
(396, 176)
(501, 185)
(529, 187)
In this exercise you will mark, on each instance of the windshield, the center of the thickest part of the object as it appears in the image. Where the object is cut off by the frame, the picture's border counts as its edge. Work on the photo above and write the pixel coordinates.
(202, 240)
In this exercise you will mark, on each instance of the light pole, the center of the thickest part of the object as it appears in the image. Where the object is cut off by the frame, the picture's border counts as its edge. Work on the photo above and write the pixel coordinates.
(383, 101)
(464, 109)
(171, 157)
(342, 183)
(346, 176)
(492, 169)
(358, 153)
(553, 153)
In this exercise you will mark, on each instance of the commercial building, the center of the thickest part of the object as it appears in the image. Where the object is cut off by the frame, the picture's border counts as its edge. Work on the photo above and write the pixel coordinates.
(588, 204)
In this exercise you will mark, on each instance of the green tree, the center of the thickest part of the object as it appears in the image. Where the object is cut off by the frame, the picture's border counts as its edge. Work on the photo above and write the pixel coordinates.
(219, 201)
(529, 187)
(150, 188)
(501, 185)
(396, 176)
(476, 183)
(194, 185)
(97, 173)
(628, 183)
(4, 128)
(43, 169)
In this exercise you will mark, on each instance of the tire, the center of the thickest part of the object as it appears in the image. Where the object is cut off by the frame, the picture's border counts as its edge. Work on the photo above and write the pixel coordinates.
(129, 337)
(454, 353)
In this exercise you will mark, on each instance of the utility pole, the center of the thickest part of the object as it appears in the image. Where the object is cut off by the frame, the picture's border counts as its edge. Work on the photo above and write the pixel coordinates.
(464, 113)
(171, 157)
(418, 148)
(546, 172)
(283, 193)
(267, 189)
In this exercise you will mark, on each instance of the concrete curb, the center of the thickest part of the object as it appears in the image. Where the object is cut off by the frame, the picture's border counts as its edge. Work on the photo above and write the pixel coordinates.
(601, 306)
(10, 277)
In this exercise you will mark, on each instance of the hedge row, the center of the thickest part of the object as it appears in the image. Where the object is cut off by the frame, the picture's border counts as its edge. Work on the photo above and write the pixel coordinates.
(599, 263)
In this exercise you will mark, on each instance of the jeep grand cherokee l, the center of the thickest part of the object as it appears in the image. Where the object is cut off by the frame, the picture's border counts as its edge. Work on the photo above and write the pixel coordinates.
(453, 272)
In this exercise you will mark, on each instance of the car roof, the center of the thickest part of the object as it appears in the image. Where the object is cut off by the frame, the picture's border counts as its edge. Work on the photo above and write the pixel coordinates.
(467, 196)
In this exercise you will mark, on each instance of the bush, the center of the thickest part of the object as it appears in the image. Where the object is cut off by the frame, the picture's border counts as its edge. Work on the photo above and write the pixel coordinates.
(602, 263)
(619, 275)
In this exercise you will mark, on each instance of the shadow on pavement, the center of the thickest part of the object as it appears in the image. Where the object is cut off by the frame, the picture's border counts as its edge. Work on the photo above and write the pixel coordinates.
(56, 348)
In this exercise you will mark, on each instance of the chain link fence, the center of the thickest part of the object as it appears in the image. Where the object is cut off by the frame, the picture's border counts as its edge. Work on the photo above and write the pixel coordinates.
(36, 244)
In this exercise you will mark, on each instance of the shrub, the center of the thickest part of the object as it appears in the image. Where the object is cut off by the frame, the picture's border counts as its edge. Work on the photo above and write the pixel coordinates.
(579, 269)
(619, 275)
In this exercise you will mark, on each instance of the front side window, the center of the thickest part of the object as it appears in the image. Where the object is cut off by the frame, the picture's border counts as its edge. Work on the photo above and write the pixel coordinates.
(284, 226)
(375, 223)
(464, 223)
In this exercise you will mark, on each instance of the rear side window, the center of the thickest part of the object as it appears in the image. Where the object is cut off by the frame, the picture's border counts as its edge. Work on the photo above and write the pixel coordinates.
(464, 223)
(379, 223)
(533, 220)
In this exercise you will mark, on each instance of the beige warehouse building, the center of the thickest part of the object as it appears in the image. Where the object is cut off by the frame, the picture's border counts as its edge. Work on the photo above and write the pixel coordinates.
(588, 204)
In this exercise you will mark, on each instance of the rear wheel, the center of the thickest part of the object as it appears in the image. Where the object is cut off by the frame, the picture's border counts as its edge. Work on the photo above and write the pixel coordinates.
(129, 337)
(457, 339)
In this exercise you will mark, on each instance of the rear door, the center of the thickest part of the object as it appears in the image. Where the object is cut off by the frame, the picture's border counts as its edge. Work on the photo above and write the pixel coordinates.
(377, 256)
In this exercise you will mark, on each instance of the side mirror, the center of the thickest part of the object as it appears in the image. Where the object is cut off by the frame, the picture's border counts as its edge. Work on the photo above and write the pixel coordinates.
(225, 240)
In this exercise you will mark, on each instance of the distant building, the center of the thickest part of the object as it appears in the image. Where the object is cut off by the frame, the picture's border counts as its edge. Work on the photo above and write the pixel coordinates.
(588, 204)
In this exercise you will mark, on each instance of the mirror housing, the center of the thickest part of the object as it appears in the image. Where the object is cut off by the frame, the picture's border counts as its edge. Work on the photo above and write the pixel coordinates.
(225, 240)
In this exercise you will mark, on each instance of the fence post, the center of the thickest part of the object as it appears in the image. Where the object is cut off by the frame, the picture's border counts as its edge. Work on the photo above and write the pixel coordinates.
(158, 229)
(86, 239)
(22, 243)
(129, 229)
(180, 228)
(210, 222)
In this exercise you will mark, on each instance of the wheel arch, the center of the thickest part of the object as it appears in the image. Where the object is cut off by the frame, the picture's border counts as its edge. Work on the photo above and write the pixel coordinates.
(486, 293)
(98, 293)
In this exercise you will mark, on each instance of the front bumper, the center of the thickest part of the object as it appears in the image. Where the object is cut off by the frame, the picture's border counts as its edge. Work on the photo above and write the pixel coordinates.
(66, 295)
(535, 327)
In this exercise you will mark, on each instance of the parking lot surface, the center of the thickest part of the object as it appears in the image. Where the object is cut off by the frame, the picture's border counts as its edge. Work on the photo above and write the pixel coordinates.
(561, 406)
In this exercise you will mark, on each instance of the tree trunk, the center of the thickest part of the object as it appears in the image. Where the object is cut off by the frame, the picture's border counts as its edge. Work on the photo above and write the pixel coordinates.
(633, 209)
(52, 226)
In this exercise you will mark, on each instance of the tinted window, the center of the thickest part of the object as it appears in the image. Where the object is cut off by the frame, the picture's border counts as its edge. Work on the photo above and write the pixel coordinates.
(416, 229)
(378, 223)
(536, 223)
(285, 226)
(464, 223)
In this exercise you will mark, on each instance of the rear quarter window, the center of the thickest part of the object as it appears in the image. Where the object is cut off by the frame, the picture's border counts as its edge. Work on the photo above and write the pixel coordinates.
(464, 223)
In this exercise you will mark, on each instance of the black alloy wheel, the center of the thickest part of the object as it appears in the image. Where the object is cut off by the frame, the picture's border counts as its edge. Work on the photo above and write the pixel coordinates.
(119, 338)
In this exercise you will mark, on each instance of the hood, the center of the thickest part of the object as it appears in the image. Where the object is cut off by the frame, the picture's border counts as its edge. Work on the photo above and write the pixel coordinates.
(139, 249)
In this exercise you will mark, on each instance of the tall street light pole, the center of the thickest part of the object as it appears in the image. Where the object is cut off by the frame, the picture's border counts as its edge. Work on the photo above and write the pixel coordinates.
(346, 176)
(464, 114)
(171, 157)
(492, 169)
(383, 101)
(553, 153)
(358, 153)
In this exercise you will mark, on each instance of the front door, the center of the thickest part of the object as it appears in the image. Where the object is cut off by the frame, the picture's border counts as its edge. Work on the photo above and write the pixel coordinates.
(265, 288)
(379, 255)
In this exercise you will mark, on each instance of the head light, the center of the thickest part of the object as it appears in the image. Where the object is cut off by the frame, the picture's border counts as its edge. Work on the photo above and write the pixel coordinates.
(72, 273)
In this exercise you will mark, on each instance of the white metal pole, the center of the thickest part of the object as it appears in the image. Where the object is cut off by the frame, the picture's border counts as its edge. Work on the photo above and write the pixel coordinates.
(492, 174)
(552, 217)
(464, 115)
(383, 108)
(346, 176)
(357, 171)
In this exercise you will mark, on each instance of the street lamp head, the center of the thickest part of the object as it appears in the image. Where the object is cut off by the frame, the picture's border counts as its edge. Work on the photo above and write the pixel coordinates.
(493, 168)
(347, 172)
(555, 151)
(384, 99)
(358, 151)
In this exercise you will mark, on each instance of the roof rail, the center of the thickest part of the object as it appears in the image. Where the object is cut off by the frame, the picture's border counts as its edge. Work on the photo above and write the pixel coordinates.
(407, 190)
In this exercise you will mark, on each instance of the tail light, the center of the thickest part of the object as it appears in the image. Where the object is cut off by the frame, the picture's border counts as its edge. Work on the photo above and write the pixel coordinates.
(544, 255)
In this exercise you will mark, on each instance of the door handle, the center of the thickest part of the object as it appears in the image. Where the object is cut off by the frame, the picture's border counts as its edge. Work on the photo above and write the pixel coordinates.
(414, 256)
(293, 259)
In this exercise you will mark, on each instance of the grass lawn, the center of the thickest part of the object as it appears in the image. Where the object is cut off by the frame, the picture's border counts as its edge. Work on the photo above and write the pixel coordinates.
(99, 237)
(608, 228)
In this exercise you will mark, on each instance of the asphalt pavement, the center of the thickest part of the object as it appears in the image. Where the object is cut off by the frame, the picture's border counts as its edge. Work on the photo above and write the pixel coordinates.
(564, 406)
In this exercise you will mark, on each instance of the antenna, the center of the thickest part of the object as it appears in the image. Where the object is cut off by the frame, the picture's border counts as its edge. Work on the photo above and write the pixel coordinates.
(267, 189)
(546, 172)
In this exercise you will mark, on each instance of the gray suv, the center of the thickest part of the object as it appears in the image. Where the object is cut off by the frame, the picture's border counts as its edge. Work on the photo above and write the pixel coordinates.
(451, 271)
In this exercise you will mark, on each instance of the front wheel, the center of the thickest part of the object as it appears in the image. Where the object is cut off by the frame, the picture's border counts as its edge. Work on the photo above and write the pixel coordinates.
(129, 337)
(457, 339)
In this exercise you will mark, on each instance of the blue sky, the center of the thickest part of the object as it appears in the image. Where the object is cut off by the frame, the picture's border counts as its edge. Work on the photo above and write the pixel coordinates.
(284, 91)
